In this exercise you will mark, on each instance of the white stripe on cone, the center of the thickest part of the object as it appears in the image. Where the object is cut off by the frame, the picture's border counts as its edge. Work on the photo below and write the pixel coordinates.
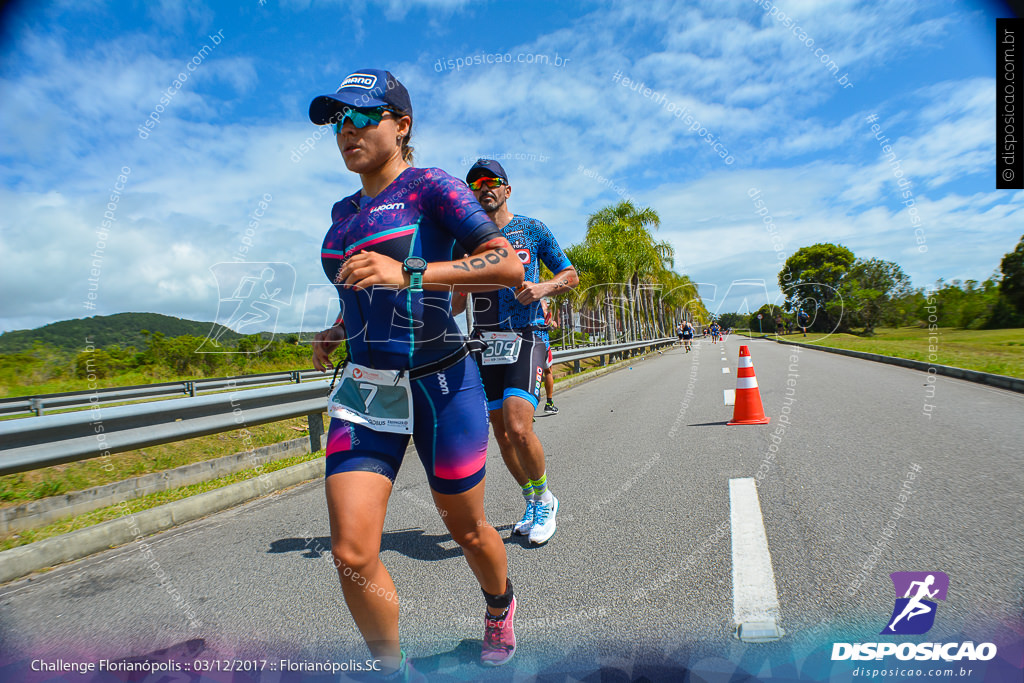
(746, 383)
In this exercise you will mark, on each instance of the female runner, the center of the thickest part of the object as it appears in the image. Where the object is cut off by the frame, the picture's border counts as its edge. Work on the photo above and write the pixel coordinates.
(388, 252)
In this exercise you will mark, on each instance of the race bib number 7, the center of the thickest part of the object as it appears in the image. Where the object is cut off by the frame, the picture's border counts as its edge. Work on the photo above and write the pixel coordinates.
(502, 348)
(378, 399)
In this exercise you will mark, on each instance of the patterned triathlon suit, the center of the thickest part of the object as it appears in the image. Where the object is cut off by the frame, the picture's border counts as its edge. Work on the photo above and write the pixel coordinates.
(499, 310)
(423, 212)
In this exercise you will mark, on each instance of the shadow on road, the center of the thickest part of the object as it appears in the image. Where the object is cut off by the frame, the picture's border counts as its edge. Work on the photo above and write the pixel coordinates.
(413, 543)
(466, 652)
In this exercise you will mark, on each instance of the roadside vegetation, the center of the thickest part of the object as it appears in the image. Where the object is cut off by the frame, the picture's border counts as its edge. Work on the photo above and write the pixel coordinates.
(1000, 352)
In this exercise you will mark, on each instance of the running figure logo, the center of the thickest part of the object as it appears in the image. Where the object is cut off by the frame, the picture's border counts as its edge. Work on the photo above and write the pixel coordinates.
(914, 613)
(251, 297)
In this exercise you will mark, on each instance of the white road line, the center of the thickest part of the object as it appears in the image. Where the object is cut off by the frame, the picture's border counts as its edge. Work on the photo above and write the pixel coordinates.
(729, 396)
(754, 597)
(725, 370)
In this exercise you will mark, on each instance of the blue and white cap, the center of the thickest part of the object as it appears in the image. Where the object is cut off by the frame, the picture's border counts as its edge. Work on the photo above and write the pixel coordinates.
(486, 168)
(365, 88)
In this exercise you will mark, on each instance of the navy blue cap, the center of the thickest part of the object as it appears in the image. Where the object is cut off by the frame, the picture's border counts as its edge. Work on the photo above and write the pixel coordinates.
(365, 88)
(486, 168)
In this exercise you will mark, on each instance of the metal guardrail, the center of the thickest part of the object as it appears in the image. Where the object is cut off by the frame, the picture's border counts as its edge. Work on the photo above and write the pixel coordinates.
(87, 397)
(35, 442)
(579, 353)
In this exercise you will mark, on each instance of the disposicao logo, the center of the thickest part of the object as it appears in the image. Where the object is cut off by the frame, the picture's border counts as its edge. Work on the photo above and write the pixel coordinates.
(914, 614)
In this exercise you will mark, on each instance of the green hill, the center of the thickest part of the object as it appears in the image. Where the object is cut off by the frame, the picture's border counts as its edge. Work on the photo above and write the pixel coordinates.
(122, 329)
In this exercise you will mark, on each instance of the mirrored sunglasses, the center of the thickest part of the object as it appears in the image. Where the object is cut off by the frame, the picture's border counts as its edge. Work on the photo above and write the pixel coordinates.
(361, 118)
(490, 183)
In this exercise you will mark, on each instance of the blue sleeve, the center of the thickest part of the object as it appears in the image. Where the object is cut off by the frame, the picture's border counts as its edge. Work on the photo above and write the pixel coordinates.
(549, 251)
(450, 203)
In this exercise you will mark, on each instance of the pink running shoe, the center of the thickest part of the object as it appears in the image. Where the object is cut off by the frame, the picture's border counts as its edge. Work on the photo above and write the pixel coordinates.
(499, 637)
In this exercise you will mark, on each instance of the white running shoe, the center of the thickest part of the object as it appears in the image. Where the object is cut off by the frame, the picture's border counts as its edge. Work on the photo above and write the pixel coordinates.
(523, 526)
(544, 521)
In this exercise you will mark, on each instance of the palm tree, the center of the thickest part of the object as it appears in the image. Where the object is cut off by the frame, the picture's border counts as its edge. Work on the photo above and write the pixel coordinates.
(619, 260)
(623, 233)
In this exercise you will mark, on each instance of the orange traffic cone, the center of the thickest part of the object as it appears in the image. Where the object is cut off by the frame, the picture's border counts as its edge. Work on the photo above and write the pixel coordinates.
(748, 409)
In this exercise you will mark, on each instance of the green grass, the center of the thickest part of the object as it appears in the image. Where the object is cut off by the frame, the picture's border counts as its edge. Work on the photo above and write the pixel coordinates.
(152, 500)
(996, 351)
(76, 476)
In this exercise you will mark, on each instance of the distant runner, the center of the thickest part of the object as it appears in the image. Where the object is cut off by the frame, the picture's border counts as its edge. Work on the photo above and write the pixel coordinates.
(687, 335)
(802, 319)
(549, 377)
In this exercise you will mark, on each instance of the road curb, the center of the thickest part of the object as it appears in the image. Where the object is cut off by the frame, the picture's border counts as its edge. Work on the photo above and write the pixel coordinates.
(23, 560)
(1000, 381)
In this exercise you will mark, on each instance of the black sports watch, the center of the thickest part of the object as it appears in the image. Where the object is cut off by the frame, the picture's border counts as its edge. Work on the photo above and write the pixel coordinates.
(415, 266)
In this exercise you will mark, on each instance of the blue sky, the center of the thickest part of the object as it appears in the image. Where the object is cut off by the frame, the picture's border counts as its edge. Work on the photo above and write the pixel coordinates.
(78, 79)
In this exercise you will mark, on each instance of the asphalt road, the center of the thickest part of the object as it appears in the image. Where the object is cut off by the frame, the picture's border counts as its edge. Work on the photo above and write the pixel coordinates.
(638, 580)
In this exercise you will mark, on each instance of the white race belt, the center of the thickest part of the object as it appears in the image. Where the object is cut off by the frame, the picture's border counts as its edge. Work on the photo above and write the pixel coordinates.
(378, 399)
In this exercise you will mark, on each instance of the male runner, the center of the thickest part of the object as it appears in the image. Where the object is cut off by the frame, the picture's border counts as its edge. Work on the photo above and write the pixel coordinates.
(512, 322)
(715, 331)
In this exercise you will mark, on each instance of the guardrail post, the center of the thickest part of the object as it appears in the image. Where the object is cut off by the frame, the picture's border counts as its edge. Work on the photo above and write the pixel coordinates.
(602, 363)
(37, 407)
(190, 389)
(316, 431)
(576, 366)
(296, 376)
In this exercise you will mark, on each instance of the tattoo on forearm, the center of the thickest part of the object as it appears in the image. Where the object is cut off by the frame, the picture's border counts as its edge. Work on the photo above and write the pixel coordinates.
(493, 257)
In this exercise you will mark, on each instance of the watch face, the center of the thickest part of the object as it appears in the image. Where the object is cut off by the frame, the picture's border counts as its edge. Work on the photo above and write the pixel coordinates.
(415, 263)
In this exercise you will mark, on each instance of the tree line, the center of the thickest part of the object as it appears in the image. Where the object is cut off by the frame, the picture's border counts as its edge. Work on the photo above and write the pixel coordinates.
(161, 358)
(182, 356)
(839, 292)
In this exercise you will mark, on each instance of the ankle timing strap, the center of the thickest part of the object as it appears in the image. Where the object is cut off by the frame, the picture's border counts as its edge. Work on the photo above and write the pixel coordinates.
(499, 601)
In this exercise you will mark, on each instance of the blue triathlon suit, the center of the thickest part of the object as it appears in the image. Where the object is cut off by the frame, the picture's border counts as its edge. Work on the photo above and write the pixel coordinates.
(424, 212)
(499, 310)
